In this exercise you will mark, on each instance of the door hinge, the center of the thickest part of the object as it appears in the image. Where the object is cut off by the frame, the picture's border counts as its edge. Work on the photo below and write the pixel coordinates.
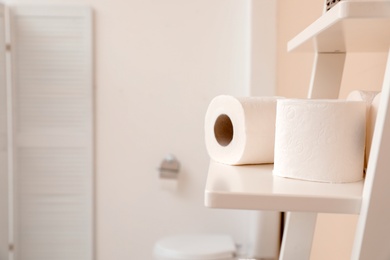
(11, 247)
(8, 47)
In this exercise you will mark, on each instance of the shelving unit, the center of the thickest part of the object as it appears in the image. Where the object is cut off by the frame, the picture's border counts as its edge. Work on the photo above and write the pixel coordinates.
(350, 26)
(254, 187)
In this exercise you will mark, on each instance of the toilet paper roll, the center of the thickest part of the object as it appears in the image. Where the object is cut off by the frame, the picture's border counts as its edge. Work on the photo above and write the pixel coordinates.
(241, 130)
(320, 140)
(368, 97)
(362, 95)
(371, 120)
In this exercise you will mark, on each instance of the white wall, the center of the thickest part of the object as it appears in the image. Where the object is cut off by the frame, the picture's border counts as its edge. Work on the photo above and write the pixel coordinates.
(263, 47)
(158, 65)
(162, 62)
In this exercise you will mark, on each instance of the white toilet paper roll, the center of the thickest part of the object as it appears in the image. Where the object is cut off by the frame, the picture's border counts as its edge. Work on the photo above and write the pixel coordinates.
(362, 95)
(241, 130)
(320, 140)
(368, 97)
(371, 120)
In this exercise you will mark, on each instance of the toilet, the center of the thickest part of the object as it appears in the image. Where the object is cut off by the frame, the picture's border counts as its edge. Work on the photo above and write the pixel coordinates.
(195, 247)
(260, 241)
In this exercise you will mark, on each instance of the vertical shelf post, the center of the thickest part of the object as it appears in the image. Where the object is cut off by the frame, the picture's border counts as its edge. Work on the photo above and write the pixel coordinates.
(298, 236)
(326, 75)
(373, 228)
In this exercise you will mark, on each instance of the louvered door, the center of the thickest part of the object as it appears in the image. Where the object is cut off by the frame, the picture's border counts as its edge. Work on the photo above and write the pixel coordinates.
(53, 134)
(3, 144)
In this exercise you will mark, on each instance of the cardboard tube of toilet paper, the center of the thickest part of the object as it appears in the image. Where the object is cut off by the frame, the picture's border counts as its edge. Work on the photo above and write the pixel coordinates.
(320, 140)
(368, 97)
(241, 130)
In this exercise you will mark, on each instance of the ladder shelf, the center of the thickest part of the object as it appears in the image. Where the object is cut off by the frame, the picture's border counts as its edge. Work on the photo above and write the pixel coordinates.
(350, 26)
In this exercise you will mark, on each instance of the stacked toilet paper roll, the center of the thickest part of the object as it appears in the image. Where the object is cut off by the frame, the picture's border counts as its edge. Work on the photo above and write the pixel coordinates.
(362, 95)
(241, 130)
(320, 140)
(372, 99)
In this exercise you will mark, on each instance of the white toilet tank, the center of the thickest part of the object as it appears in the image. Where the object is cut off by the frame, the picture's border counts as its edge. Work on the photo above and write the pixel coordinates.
(195, 247)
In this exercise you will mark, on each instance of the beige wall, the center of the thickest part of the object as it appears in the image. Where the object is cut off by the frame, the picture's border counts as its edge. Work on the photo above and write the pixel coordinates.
(334, 233)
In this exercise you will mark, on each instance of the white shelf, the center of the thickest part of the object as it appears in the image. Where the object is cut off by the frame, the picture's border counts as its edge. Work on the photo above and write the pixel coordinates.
(351, 26)
(254, 187)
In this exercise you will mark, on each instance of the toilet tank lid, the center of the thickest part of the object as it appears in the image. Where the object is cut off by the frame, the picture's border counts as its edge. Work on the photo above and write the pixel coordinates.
(207, 246)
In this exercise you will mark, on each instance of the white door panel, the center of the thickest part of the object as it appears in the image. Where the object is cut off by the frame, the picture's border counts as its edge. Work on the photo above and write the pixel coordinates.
(53, 120)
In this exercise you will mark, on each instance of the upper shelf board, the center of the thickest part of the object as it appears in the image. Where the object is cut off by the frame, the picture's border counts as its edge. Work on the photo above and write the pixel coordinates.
(254, 187)
(350, 26)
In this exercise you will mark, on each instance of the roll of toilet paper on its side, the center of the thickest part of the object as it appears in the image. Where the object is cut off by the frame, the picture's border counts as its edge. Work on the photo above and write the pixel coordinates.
(368, 97)
(362, 95)
(241, 130)
(320, 140)
(371, 120)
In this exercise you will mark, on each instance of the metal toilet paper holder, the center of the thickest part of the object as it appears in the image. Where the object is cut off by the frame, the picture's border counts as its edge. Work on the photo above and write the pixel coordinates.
(169, 168)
